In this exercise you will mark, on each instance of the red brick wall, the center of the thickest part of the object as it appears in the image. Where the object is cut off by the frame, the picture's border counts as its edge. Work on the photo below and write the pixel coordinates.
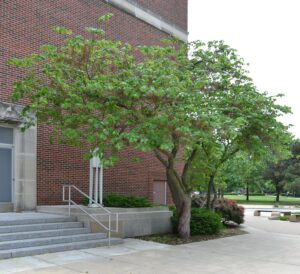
(24, 26)
(174, 11)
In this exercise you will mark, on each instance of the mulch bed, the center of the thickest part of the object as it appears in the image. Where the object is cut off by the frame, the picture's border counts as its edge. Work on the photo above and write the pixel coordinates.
(173, 239)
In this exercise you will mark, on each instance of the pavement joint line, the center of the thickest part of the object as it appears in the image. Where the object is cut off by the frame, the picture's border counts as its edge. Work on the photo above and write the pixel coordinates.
(71, 269)
(139, 265)
(43, 260)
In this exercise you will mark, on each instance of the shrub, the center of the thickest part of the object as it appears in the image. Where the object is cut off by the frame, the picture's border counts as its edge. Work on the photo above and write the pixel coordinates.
(118, 200)
(229, 210)
(123, 201)
(203, 221)
(284, 218)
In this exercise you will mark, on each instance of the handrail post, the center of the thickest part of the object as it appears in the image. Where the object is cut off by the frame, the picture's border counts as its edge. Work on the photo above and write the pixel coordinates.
(69, 200)
(117, 222)
(109, 229)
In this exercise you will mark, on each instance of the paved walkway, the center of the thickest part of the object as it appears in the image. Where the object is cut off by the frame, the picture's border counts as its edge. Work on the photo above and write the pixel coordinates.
(270, 247)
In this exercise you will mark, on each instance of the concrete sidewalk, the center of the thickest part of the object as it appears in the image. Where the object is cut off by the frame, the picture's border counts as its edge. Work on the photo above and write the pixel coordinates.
(264, 250)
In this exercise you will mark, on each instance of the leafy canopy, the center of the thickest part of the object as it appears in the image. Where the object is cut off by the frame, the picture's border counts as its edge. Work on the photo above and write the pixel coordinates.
(103, 94)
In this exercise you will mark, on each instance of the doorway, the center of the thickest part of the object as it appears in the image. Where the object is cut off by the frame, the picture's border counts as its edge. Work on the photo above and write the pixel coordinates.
(6, 164)
(160, 192)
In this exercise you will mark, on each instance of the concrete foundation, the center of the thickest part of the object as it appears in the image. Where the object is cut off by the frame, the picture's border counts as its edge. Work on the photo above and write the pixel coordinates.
(131, 221)
(6, 207)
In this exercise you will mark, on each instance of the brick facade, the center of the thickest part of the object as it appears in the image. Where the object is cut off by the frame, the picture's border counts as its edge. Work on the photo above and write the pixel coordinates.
(174, 11)
(26, 25)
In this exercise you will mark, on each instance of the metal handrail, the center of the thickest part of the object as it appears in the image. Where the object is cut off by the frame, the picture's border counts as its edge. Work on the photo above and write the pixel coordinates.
(108, 213)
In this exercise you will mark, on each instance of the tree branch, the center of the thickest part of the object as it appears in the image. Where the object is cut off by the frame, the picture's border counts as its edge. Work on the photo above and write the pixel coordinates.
(176, 144)
(187, 168)
(160, 158)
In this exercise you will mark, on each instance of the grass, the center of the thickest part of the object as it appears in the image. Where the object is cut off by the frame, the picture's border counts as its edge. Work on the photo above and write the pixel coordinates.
(264, 200)
(173, 239)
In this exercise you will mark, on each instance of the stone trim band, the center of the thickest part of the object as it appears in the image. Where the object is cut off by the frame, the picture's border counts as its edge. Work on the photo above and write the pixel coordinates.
(149, 18)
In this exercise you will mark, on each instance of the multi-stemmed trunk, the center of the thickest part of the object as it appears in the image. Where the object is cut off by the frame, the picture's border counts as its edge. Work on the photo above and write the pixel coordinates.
(179, 187)
(182, 201)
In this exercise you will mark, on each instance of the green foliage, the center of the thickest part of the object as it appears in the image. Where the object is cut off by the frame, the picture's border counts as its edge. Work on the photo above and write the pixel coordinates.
(123, 201)
(95, 93)
(203, 221)
(118, 200)
(285, 172)
(244, 170)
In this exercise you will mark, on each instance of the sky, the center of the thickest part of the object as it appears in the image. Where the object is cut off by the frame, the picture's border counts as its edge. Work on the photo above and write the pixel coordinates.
(266, 34)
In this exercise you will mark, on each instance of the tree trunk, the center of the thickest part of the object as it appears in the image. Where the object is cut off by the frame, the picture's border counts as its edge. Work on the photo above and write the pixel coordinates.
(215, 193)
(247, 191)
(184, 218)
(182, 201)
(277, 195)
(209, 191)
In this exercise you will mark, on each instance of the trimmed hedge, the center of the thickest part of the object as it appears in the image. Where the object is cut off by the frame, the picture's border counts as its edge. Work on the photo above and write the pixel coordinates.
(123, 201)
(118, 200)
(203, 221)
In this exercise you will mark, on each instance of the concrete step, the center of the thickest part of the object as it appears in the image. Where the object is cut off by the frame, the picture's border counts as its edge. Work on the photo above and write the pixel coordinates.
(42, 234)
(30, 221)
(29, 251)
(51, 240)
(40, 226)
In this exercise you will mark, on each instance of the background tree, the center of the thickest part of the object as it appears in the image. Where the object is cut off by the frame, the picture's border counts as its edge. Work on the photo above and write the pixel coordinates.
(244, 172)
(285, 172)
(240, 118)
(104, 95)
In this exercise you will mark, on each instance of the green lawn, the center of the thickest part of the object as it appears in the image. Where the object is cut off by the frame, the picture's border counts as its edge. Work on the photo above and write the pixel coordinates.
(264, 200)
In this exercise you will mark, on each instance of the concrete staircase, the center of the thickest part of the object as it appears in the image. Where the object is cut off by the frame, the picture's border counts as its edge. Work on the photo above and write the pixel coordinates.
(45, 234)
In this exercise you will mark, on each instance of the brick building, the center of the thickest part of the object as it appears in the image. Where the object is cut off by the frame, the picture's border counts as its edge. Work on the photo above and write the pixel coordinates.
(31, 170)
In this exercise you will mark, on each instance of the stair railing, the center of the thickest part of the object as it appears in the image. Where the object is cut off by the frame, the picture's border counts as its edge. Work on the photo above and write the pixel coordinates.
(68, 189)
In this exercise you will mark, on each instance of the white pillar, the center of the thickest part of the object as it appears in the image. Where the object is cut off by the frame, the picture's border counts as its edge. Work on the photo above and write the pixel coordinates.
(96, 182)
(91, 182)
(101, 184)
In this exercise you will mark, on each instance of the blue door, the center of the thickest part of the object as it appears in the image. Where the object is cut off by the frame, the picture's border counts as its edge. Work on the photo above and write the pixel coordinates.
(6, 148)
(5, 174)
